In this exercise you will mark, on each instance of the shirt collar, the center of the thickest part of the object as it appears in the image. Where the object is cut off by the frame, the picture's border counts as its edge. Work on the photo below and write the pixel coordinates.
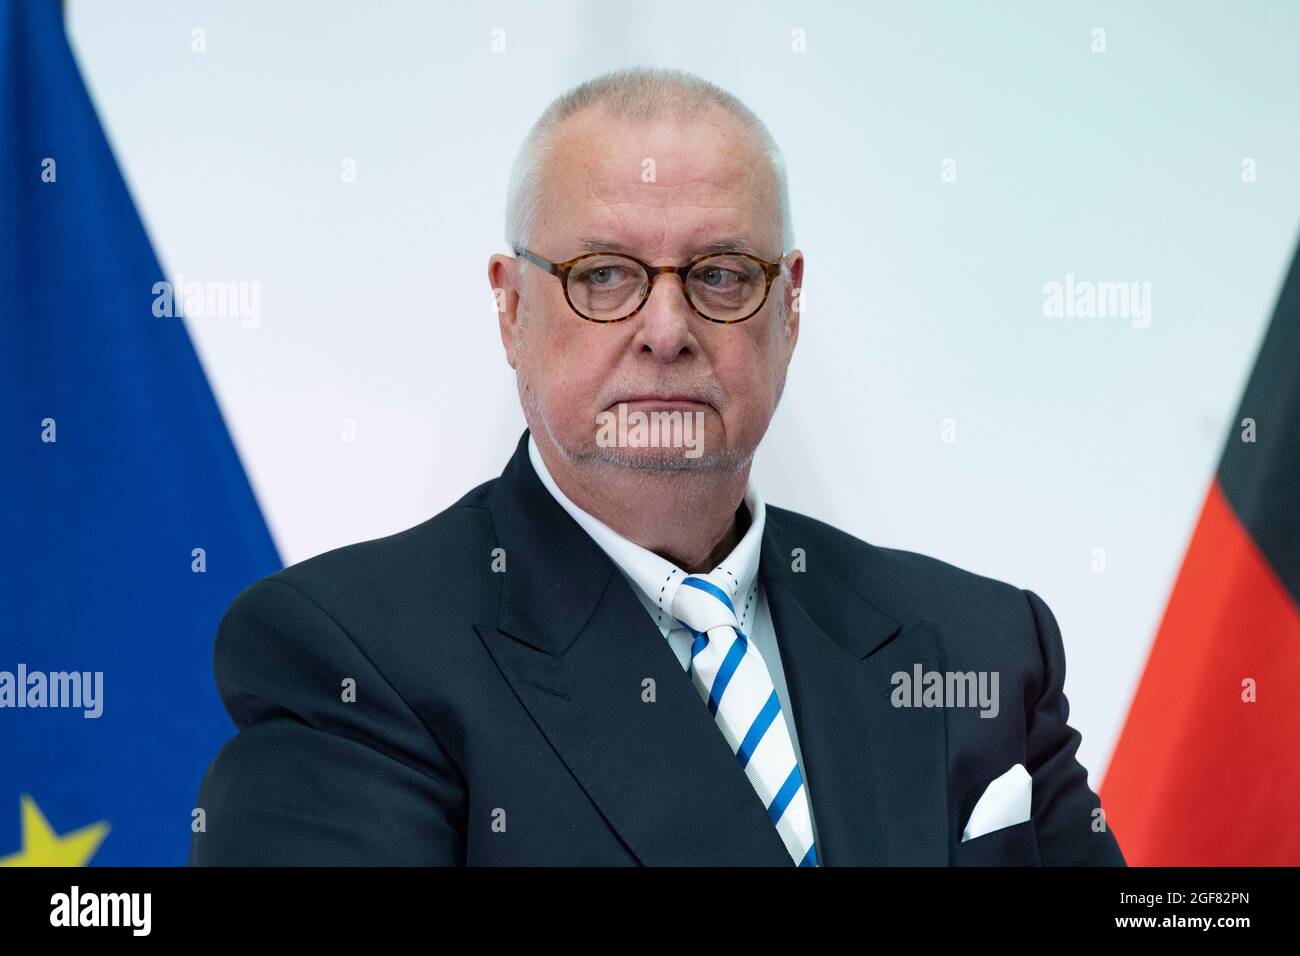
(655, 579)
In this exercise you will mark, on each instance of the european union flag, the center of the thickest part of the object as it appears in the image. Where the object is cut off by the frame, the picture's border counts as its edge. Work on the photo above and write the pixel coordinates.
(127, 521)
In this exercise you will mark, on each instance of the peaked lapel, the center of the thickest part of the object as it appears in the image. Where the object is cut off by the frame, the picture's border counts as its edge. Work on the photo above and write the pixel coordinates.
(586, 660)
(876, 775)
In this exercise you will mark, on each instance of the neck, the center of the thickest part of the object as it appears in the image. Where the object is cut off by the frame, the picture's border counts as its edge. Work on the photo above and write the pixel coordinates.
(686, 517)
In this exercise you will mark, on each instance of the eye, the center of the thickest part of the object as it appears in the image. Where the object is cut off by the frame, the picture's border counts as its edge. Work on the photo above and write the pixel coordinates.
(606, 275)
(718, 278)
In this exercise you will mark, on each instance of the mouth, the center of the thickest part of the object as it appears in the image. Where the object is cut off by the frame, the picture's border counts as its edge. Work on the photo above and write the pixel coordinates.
(682, 403)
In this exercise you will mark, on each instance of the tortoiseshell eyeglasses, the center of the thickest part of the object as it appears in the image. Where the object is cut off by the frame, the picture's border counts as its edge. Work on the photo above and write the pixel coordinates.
(723, 287)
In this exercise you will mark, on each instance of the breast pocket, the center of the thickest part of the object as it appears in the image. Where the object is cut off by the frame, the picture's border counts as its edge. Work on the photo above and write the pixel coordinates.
(1010, 846)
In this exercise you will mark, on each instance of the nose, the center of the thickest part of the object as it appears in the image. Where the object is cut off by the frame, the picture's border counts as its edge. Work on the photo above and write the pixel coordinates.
(665, 331)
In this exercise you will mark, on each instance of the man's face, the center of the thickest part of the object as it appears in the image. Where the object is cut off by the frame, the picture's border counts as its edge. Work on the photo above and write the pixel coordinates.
(708, 181)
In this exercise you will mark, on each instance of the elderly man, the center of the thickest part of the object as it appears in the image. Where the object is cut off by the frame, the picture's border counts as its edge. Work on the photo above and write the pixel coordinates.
(616, 653)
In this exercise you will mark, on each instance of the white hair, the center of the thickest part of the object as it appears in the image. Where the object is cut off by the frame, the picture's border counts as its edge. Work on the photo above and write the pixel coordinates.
(640, 94)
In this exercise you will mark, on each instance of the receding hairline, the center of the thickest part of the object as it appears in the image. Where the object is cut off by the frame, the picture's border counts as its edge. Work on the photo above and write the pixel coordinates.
(637, 95)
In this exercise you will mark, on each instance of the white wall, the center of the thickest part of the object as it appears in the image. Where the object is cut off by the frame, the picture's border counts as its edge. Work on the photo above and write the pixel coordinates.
(924, 299)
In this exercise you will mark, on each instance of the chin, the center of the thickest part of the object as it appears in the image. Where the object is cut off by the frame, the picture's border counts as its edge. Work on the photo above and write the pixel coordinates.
(667, 459)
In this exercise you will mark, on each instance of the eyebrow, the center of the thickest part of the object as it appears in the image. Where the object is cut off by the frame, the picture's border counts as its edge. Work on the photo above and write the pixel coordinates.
(728, 244)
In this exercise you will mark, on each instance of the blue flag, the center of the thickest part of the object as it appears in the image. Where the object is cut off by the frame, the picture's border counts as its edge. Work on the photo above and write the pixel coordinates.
(127, 523)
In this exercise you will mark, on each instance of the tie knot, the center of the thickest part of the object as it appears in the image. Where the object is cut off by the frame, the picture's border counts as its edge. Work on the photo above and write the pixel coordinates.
(701, 602)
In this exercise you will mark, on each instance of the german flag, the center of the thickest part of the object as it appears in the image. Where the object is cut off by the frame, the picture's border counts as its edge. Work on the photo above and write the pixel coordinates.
(1207, 769)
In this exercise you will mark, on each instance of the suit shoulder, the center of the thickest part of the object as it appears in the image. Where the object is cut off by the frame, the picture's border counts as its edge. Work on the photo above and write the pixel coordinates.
(419, 561)
(904, 584)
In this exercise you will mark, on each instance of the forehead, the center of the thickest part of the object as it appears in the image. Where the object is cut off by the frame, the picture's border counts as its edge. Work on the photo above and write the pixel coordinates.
(664, 188)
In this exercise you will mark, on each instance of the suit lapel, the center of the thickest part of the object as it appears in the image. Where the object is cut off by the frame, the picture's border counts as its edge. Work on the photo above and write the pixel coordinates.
(876, 774)
(602, 685)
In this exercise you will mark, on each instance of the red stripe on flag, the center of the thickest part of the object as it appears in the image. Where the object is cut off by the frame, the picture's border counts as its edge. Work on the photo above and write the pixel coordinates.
(1200, 777)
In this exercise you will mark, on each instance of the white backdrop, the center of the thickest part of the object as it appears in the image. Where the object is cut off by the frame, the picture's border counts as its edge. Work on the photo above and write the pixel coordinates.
(923, 297)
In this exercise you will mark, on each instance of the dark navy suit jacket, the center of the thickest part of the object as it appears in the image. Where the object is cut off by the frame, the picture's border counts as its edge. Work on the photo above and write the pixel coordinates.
(406, 701)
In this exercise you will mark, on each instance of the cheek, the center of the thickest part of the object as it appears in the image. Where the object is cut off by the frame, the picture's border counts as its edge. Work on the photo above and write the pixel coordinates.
(567, 368)
(747, 374)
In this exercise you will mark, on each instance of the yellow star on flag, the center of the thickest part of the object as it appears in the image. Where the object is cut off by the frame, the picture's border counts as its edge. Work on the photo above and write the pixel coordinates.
(43, 847)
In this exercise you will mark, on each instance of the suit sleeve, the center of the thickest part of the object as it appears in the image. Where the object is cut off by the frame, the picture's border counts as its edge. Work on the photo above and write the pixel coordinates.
(311, 777)
(1064, 805)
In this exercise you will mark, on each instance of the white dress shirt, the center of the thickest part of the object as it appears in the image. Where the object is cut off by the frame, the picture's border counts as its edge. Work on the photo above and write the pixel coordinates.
(654, 581)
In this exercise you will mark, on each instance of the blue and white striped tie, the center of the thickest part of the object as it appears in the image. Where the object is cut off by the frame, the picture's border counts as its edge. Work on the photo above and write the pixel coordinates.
(733, 679)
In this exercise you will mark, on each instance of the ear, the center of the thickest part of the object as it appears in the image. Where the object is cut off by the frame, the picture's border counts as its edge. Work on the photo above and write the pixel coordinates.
(793, 292)
(503, 277)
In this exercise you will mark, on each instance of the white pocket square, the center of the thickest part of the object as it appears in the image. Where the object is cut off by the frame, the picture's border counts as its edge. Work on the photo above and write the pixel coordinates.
(1004, 803)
